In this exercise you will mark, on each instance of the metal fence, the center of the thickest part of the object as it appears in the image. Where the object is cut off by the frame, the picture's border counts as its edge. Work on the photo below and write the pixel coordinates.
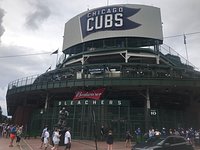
(23, 81)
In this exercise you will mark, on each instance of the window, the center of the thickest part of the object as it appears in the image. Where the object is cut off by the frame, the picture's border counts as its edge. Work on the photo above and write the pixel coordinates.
(179, 140)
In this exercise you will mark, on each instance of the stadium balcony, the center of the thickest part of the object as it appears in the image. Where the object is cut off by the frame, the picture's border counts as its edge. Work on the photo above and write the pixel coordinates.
(172, 69)
(107, 74)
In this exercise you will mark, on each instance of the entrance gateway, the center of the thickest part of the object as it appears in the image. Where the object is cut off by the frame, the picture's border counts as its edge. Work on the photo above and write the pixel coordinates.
(120, 115)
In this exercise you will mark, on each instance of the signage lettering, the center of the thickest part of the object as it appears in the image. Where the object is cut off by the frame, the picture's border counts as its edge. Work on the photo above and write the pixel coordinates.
(104, 11)
(102, 102)
(108, 18)
(94, 94)
(93, 102)
(119, 103)
(153, 112)
(86, 102)
(110, 102)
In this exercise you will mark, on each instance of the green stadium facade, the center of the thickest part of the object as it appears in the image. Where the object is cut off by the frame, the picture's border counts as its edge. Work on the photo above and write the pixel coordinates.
(114, 71)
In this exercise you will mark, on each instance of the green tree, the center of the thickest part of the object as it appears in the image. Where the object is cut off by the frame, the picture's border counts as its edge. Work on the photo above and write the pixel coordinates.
(1, 117)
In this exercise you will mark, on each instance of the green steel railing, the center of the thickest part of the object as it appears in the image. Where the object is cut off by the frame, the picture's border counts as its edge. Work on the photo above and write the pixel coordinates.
(103, 71)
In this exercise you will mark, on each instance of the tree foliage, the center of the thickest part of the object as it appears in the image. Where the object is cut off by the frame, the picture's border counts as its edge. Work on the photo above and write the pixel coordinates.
(1, 114)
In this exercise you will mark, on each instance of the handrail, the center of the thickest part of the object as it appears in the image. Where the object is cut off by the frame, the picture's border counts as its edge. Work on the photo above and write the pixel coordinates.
(23, 81)
(122, 70)
(165, 49)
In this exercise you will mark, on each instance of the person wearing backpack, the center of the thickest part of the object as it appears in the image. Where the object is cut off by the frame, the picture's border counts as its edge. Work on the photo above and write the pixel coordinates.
(12, 135)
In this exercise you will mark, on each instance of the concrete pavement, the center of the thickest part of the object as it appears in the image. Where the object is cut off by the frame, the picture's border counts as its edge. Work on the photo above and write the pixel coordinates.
(34, 144)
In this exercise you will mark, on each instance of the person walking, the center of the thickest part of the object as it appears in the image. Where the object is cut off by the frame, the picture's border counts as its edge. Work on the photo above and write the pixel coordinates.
(12, 135)
(128, 139)
(67, 139)
(4, 132)
(102, 132)
(56, 139)
(18, 134)
(42, 136)
(138, 133)
(46, 139)
(109, 140)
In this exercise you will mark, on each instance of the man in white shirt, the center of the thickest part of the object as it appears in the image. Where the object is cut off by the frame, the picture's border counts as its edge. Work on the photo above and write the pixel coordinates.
(42, 136)
(46, 139)
(67, 139)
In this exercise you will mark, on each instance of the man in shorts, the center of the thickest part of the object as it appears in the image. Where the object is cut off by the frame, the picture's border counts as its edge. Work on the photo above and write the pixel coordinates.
(42, 136)
(46, 139)
(67, 139)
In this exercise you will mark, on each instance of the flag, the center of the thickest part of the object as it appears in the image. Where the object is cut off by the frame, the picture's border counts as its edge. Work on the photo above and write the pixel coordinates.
(184, 38)
(55, 52)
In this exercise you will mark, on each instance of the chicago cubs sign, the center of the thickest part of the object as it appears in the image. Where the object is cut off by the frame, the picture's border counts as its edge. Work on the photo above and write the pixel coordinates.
(115, 21)
(108, 18)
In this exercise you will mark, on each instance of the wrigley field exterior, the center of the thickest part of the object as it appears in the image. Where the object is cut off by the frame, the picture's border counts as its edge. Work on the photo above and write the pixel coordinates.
(114, 71)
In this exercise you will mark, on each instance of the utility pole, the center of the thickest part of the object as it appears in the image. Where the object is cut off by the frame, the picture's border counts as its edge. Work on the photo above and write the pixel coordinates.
(185, 43)
(94, 121)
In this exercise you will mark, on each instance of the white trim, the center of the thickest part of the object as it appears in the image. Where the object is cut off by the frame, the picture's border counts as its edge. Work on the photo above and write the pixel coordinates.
(102, 54)
(73, 61)
(142, 55)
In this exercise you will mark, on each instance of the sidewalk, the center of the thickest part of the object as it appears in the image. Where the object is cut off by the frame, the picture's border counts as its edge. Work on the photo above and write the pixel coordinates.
(80, 145)
(34, 144)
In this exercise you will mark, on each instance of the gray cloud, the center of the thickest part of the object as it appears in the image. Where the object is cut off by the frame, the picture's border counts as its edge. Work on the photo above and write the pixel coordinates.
(2, 30)
(36, 18)
(14, 68)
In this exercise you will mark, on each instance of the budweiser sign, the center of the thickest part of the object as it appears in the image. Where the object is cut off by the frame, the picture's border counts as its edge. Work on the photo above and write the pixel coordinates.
(94, 94)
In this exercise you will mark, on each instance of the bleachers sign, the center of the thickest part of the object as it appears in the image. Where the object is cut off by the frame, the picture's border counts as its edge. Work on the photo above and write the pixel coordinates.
(92, 102)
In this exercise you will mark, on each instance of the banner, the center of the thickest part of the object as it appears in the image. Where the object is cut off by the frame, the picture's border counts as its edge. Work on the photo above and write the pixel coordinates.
(108, 18)
(94, 94)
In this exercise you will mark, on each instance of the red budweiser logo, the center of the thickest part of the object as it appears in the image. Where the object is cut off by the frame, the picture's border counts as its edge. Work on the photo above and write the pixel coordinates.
(94, 94)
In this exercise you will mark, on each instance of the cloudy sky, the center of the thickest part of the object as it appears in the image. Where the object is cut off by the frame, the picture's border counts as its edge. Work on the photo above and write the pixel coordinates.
(36, 26)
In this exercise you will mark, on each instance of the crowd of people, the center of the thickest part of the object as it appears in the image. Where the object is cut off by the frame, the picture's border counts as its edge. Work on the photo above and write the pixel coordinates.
(55, 138)
(11, 131)
(192, 135)
(14, 132)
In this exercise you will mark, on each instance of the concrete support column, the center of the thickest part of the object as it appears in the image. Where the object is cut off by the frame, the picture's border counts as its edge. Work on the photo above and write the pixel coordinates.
(46, 102)
(147, 110)
(156, 49)
(158, 59)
